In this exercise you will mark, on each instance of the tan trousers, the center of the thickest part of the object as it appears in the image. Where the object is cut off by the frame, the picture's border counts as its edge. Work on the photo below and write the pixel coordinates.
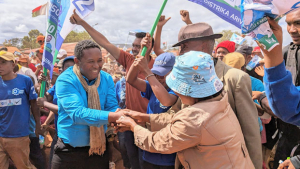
(18, 150)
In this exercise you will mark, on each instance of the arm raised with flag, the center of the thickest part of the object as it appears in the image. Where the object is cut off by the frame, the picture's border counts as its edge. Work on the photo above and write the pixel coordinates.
(97, 36)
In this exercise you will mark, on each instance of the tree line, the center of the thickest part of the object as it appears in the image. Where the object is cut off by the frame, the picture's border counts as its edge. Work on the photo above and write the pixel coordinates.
(29, 41)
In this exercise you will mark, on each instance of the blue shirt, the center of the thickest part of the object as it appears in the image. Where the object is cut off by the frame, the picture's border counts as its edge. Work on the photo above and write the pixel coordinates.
(283, 96)
(155, 107)
(54, 101)
(257, 85)
(121, 92)
(74, 116)
(15, 95)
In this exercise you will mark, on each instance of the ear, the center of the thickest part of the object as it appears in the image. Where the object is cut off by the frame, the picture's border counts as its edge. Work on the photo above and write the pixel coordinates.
(76, 60)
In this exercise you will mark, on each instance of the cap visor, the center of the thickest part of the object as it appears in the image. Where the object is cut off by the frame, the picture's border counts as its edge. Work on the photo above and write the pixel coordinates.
(214, 36)
(161, 71)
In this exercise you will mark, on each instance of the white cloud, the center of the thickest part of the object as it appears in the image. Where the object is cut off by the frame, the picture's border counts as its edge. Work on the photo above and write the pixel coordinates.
(115, 18)
(21, 28)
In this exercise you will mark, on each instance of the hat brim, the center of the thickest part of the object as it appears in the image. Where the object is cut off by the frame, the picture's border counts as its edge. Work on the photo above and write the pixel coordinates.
(214, 36)
(161, 71)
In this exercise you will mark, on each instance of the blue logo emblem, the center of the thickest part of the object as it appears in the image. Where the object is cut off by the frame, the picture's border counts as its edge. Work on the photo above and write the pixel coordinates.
(84, 6)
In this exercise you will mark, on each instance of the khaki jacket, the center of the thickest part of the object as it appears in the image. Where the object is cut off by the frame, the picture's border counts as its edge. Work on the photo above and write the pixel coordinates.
(237, 84)
(205, 135)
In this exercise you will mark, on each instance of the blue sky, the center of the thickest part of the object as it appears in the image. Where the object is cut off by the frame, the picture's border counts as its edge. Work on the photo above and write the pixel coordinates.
(115, 18)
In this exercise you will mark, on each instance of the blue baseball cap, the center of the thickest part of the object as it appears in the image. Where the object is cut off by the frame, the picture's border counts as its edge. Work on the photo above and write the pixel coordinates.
(163, 64)
(66, 59)
(194, 75)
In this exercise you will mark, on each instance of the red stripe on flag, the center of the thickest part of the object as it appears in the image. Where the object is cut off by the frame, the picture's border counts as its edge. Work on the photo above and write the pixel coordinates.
(37, 9)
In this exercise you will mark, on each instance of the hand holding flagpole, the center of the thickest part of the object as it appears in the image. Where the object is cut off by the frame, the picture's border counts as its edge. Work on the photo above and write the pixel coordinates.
(155, 24)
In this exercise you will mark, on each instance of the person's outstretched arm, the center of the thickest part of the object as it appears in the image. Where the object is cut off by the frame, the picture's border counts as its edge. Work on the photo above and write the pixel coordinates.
(133, 80)
(185, 17)
(283, 95)
(97, 36)
(157, 36)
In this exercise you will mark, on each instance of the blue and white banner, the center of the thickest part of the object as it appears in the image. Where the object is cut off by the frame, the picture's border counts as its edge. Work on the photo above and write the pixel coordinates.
(255, 22)
(83, 9)
(50, 38)
(229, 10)
(237, 39)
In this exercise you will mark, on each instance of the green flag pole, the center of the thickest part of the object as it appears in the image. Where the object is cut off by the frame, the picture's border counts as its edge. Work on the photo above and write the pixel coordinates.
(43, 86)
(155, 24)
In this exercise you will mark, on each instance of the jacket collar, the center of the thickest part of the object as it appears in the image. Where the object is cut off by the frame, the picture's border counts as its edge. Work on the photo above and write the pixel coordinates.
(219, 68)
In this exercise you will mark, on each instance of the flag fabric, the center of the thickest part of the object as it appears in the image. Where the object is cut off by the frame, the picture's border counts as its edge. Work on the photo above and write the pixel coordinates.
(255, 22)
(237, 39)
(83, 9)
(50, 38)
(40, 10)
(132, 33)
(229, 10)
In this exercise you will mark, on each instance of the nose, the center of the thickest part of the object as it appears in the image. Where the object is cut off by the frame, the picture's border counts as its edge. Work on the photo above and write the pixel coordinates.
(292, 29)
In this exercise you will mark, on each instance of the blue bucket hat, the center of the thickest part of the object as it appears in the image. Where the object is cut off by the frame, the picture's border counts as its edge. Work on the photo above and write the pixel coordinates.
(163, 64)
(194, 75)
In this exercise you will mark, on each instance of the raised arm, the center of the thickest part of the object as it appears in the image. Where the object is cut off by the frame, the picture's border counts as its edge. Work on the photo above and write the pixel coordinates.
(185, 17)
(283, 95)
(157, 36)
(133, 80)
(164, 97)
(97, 36)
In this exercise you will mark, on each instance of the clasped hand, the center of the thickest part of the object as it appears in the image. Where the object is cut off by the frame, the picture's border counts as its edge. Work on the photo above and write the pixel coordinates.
(129, 120)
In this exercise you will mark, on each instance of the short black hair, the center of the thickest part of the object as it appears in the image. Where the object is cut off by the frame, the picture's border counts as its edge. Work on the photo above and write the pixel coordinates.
(82, 45)
(4, 48)
(141, 35)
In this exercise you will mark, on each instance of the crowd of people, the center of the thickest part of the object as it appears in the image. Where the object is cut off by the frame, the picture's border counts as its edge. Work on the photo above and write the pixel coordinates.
(202, 108)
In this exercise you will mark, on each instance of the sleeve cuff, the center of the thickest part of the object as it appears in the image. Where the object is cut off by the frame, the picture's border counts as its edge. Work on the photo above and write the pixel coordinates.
(295, 161)
(102, 117)
(275, 73)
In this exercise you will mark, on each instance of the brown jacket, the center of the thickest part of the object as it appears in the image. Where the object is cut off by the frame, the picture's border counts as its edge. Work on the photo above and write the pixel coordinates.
(237, 84)
(205, 135)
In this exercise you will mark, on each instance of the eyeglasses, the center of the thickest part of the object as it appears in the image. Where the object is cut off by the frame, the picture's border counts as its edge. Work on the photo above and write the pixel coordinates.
(40, 41)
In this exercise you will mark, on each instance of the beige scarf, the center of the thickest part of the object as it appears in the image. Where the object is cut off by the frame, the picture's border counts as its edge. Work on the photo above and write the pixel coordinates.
(97, 135)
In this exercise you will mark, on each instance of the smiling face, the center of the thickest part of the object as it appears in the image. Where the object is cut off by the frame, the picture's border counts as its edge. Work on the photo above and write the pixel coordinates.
(136, 46)
(293, 25)
(221, 52)
(90, 63)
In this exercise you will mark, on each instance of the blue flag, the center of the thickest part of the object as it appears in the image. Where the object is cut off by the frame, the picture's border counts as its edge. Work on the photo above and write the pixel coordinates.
(229, 10)
(49, 49)
(83, 9)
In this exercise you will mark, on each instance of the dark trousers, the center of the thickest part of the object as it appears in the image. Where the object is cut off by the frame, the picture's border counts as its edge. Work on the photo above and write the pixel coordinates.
(52, 150)
(68, 157)
(123, 151)
(132, 150)
(147, 165)
(36, 155)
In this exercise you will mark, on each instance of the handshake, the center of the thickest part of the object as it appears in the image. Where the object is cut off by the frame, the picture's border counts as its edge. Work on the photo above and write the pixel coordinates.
(124, 120)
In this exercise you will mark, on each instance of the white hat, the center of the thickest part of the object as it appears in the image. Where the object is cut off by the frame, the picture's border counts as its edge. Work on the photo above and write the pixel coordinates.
(61, 53)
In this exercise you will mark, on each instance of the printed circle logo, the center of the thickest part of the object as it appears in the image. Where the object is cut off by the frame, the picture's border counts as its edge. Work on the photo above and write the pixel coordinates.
(15, 91)
(218, 85)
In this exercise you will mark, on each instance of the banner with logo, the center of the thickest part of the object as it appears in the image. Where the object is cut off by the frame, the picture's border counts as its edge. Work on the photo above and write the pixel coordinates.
(237, 39)
(229, 10)
(83, 9)
(50, 38)
(255, 22)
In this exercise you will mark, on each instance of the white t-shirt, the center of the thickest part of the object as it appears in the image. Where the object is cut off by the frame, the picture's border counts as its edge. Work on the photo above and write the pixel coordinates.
(28, 72)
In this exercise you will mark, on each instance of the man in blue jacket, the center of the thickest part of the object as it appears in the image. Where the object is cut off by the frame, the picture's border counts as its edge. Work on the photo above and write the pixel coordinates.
(86, 102)
(283, 95)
